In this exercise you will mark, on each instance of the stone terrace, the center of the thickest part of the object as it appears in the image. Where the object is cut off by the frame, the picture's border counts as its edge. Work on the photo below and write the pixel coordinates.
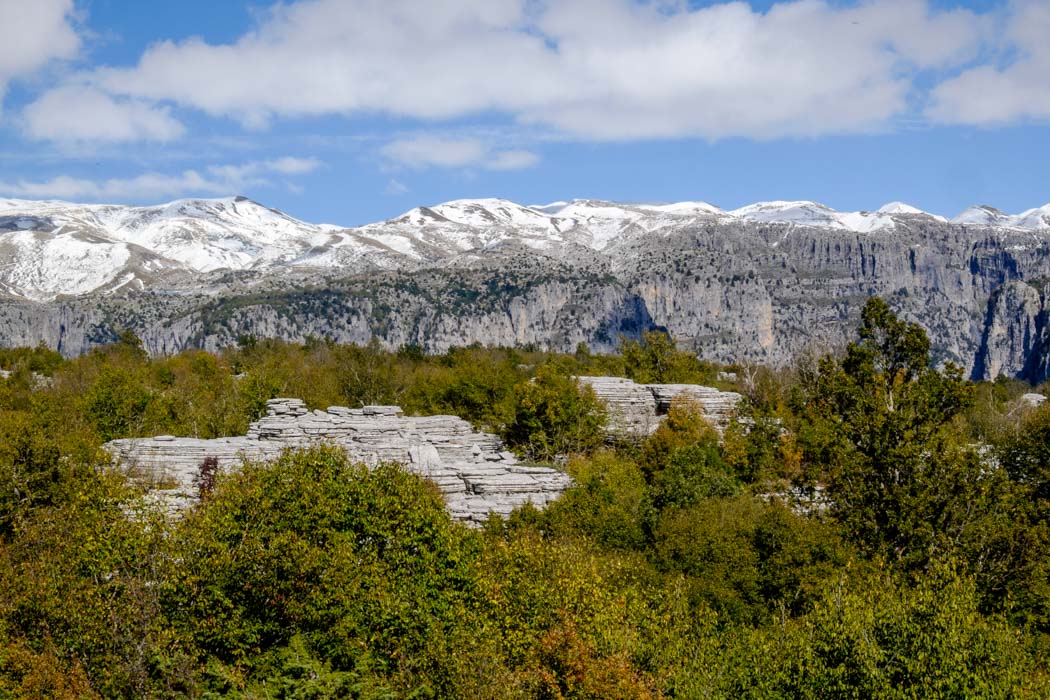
(476, 475)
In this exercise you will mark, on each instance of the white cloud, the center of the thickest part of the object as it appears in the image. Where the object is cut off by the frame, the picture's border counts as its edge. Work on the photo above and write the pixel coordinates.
(146, 186)
(289, 165)
(395, 187)
(1020, 89)
(214, 180)
(513, 160)
(597, 69)
(35, 32)
(424, 151)
(74, 113)
(249, 173)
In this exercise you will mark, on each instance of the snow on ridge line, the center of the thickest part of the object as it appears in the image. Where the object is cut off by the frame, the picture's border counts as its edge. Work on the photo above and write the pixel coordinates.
(56, 247)
(472, 211)
(1036, 219)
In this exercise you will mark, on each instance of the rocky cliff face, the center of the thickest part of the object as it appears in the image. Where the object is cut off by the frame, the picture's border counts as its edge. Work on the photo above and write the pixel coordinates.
(732, 288)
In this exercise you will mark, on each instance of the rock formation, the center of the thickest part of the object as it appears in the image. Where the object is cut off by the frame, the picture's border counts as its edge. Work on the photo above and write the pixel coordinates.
(1033, 400)
(476, 475)
(636, 410)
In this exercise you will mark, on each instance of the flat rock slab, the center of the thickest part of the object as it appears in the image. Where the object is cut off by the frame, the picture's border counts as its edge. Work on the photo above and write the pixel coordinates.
(1033, 399)
(636, 410)
(471, 468)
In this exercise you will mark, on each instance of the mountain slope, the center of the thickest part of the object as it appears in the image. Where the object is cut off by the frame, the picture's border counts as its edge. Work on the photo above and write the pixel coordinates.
(760, 283)
(49, 249)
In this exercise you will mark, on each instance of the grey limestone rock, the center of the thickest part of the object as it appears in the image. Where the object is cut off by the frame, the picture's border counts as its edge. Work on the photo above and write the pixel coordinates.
(1033, 400)
(472, 470)
(636, 410)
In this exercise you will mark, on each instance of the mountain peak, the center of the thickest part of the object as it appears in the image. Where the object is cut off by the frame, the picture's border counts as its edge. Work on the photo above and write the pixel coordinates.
(899, 208)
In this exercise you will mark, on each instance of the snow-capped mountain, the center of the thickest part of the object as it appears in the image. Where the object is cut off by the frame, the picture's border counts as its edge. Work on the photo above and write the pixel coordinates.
(50, 248)
(206, 235)
(984, 215)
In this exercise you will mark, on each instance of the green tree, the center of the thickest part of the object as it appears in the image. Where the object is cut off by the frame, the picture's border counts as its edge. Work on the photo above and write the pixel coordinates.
(877, 639)
(747, 558)
(682, 461)
(878, 424)
(79, 585)
(31, 468)
(606, 503)
(655, 359)
(553, 415)
(116, 403)
(1021, 573)
(363, 564)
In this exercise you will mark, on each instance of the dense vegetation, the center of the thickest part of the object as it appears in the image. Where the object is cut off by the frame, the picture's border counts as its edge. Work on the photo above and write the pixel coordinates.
(871, 527)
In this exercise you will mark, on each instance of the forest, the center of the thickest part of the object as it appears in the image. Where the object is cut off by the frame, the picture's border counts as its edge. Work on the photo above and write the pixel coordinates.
(871, 525)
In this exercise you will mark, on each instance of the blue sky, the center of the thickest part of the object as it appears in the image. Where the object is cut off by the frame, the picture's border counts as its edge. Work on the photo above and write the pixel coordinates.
(350, 111)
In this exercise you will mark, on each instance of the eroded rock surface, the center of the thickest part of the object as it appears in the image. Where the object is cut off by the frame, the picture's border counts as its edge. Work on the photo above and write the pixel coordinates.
(636, 410)
(476, 475)
(1033, 400)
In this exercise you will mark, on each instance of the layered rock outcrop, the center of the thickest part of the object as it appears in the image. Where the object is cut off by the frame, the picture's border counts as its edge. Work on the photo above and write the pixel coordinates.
(636, 410)
(476, 475)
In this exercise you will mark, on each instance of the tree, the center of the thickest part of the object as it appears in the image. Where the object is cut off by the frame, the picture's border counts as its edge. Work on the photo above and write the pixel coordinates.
(605, 504)
(748, 558)
(1021, 580)
(874, 638)
(682, 462)
(362, 565)
(553, 415)
(116, 403)
(878, 426)
(656, 360)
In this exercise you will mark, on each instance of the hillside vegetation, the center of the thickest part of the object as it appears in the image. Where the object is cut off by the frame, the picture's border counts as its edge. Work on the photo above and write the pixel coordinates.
(872, 526)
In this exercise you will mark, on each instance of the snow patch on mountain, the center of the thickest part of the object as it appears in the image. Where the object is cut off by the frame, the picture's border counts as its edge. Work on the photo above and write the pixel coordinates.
(813, 214)
(1033, 219)
(683, 208)
(44, 266)
(981, 215)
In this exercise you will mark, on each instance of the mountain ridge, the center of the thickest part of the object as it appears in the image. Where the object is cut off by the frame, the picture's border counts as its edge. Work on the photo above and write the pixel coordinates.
(758, 284)
(52, 248)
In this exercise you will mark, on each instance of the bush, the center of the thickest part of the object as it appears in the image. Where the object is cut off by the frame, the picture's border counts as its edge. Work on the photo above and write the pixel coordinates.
(363, 563)
(553, 415)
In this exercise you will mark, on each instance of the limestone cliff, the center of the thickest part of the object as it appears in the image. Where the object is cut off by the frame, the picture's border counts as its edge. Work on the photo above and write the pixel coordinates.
(732, 290)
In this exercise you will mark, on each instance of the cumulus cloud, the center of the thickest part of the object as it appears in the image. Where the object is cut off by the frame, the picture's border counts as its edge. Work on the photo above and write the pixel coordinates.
(74, 113)
(34, 33)
(595, 69)
(426, 151)
(1017, 89)
(290, 165)
(213, 180)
